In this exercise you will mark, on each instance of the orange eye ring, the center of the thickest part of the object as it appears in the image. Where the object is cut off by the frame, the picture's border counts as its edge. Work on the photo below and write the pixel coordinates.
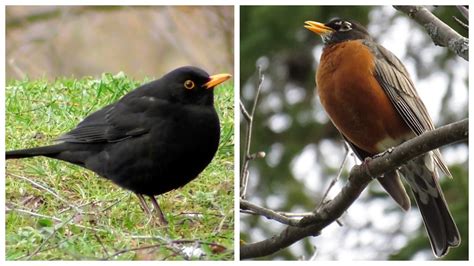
(189, 84)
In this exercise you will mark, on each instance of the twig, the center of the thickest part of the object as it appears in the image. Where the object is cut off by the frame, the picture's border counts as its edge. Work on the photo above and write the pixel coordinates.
(464, 25)
(114, 203)
(38, 249)
(22, 211)
(101, 244)
(221, 225)
(270, 214)
(50, 191)
(440, 33)
(358, 180)
(286, 214)
(244, 112)
(333, 181)
(168, 244)
(248, 137)
(149, 237)
(464, 11)
(44, 250)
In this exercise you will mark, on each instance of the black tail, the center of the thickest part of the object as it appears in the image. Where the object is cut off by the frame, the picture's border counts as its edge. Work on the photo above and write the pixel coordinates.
(438, 221)
(48, 151)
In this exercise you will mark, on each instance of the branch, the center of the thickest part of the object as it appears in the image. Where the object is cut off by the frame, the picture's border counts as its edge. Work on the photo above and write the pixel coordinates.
(357, 181)
(464, 11)
(244, 175)
(270, 214)
(440, 33)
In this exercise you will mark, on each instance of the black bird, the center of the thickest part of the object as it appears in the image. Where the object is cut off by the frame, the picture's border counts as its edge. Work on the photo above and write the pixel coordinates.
(156, 138)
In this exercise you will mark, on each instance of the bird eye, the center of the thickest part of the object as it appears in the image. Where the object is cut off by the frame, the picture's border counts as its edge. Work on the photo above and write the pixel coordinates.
(189, 84)
(345, 26)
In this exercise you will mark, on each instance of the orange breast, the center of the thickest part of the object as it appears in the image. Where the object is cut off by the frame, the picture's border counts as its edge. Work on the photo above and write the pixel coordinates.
(354, 100)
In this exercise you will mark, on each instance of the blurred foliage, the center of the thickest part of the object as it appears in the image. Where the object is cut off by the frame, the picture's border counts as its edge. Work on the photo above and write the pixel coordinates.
(290, 124)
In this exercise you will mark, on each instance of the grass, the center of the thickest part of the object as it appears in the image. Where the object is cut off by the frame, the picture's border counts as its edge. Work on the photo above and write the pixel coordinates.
(59, 211)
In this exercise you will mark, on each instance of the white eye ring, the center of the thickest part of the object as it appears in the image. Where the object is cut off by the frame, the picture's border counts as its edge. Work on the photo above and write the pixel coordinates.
(345, 26)
(189, 84)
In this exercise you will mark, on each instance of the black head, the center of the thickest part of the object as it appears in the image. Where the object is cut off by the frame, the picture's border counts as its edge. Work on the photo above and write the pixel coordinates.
(338, 30)
(190, 85)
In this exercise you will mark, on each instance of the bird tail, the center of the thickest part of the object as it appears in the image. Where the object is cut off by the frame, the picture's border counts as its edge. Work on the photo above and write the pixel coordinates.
(38, 151)
(393, 185)
(440, 226)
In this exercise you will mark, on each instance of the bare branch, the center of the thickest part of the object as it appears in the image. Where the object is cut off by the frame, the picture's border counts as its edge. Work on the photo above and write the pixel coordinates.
(464, 11)
(244, 112)
(270, 214)
(440, 33)
(357, 181)
(244, 175)
(336, 178)
(464, 25)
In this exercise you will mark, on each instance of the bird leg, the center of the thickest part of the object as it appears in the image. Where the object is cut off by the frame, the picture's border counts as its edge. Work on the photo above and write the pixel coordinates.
(158, 210)
(143, 204)
(366, 161)
(388, 151)
(365, 164)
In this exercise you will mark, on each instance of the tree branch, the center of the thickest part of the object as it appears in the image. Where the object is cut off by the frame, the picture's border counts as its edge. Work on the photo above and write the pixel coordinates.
(244, 175)
(440, 33)
(357, 181)
(270, 214)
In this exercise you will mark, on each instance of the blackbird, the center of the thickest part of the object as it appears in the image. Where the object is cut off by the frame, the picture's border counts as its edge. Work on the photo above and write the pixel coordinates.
(156, 138)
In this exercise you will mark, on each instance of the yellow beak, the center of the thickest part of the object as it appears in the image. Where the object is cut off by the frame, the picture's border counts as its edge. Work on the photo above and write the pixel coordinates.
(318, 28)
(216, 80)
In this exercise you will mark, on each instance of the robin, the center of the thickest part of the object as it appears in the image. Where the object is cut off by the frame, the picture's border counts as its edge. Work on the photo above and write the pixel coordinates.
(371, 99)
(156, 138)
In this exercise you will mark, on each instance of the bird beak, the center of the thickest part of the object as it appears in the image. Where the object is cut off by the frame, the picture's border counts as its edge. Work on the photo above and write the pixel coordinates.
(216, 80)
(318, 28)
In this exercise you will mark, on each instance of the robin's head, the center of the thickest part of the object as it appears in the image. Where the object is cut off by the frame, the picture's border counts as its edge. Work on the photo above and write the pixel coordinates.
(338, 30)
(191, 85)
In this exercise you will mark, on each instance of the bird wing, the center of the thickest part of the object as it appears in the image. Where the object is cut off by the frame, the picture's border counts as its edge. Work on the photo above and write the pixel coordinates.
(395, 81)
(115, 122)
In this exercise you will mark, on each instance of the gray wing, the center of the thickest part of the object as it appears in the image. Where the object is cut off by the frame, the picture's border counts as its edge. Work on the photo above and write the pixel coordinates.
(395, 80)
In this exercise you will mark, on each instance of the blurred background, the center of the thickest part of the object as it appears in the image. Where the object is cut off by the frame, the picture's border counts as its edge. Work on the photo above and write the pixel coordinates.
(52, 41)
(304, 151)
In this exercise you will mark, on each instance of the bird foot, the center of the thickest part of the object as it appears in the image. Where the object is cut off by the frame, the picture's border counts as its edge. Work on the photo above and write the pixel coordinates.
(155, 215)
(159, 213)
(365, 165)
(388, 151)
(366, 161)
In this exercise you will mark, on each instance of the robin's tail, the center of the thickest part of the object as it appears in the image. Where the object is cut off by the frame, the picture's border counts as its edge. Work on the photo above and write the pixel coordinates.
(48, 151)
(439, 223)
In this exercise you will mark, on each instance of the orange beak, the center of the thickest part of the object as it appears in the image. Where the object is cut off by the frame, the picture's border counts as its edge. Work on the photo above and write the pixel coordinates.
(318, 28)
(216, 80)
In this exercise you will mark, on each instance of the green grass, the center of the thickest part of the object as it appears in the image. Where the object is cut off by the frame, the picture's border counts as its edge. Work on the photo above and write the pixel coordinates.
(91, 218)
